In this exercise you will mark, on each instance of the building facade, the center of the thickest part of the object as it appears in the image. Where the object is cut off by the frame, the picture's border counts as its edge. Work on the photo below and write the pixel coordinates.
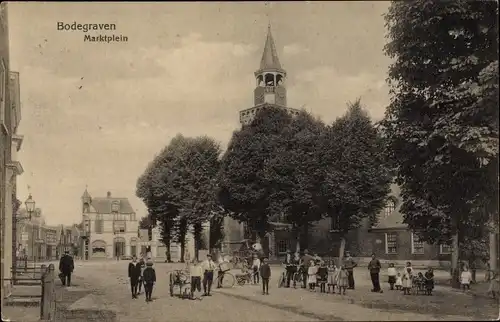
(110, 227)
(10, 143)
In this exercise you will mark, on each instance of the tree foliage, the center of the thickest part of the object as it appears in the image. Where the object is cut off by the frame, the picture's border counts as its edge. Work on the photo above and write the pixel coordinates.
(244, 188)
(179, 187)
(441, 124)
(294, 173)
(356, 175)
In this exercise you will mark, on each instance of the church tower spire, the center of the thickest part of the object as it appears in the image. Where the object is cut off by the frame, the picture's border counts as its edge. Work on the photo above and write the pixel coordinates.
(270, 77)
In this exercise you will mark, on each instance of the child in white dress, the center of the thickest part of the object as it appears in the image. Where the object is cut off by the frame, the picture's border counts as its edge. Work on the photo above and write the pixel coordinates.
(407, 280)
(465, 279)
(332, 276)
(399, 282)
(311, 275)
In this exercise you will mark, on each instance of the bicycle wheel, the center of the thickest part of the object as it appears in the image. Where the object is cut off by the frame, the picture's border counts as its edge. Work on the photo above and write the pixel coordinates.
(228, 280)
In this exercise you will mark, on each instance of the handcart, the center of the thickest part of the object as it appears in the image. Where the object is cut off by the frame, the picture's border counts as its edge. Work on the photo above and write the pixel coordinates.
(181, 279)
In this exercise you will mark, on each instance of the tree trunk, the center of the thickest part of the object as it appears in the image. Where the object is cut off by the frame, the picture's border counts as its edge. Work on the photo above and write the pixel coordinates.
(455, 270)
(493, 244)
(167, 251)
(304, 240)
(341, 248)
(183, 226)
(296, 235)
(198, 236)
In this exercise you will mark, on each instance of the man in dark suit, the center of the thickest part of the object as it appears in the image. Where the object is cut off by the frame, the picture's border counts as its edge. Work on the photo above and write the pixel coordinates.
(66, 267)
(134, 274)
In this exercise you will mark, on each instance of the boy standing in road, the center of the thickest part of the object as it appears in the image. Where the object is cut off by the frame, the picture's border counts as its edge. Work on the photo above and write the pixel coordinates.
(134, 273)
(265, 274)
(208, 267)
(195, 271)
(149, 277)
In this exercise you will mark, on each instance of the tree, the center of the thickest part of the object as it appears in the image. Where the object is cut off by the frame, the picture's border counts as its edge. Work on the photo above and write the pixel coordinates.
(145, 222)
(441, 144)
(193, 186)
(356, 177)
(294, 172)
(244, 189)
(152, 189)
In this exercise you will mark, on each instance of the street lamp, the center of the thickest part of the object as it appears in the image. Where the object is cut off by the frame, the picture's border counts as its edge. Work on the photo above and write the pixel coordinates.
(30, 208)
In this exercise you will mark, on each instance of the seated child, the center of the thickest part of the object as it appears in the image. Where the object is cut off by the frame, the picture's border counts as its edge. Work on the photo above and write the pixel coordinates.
(399, 282)
(342, 280)
(391, 273)
(429, 281)
(332, 276)
(311, 275)
(322, 277)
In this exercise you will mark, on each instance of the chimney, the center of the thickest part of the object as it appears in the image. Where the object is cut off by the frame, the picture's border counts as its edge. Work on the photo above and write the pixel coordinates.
(109, 194)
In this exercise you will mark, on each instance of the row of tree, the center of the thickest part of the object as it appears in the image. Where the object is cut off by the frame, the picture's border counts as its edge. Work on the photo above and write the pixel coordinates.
(442, 122)
(296, 168)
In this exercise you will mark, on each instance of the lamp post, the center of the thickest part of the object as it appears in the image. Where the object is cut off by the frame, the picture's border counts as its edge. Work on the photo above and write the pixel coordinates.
(30, 208)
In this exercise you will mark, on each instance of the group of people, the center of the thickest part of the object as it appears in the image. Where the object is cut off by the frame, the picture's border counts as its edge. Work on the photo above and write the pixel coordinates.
(315, 272)
(141, 272)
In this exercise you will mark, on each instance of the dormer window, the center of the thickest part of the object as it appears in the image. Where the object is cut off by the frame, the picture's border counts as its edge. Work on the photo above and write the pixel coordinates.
(389, 208)
(115, 206)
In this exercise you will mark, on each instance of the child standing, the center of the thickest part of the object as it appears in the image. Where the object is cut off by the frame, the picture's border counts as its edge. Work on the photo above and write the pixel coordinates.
(322, 277)
(196, 271)
(342, 280)
(311, 275)
(391, 273)
(429, 281)
(465, 279)
(149, 277)
(332, 276)
(265, 274)
(143, 267)
(407, 280)
(399, 282)
(255, 268)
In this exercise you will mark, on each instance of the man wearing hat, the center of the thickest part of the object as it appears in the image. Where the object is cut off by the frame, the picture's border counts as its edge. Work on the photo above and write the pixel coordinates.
(66, 267)
(349, 265)
(208, 267)
(291, 267)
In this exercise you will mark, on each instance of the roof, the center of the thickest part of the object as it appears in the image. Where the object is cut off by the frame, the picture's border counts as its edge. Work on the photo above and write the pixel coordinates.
(86, 195)
(393, 221)
(270, 58)
(103, 205)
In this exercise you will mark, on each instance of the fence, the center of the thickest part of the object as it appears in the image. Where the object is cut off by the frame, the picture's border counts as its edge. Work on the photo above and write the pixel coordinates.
(34, 277)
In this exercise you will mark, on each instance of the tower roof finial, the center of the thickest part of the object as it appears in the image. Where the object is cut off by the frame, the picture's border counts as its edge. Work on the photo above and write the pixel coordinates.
(270, 58)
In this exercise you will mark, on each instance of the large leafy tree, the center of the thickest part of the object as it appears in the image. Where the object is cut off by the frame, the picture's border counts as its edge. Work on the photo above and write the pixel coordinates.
(294, 172)
(442, 145)
(195, 185)
(244, 188)
(356, 176)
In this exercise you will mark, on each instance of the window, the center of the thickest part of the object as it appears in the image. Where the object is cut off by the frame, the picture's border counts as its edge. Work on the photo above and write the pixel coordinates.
(115, 206)
(445, 249)
(335, 223)
(99, 224)
(282, 246)
(3, 91)
(417, 246)
(119, 226)
(389, 208)
(391, 243)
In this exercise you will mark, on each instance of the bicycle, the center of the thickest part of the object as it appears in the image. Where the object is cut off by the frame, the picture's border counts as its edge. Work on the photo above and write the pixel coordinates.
(225, 279)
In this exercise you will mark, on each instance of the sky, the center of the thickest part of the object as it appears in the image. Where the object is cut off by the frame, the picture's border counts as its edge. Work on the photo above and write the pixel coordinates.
(95, 114)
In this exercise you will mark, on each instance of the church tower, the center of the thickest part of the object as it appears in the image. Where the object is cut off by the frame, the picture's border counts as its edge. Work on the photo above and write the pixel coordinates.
(270, 78)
